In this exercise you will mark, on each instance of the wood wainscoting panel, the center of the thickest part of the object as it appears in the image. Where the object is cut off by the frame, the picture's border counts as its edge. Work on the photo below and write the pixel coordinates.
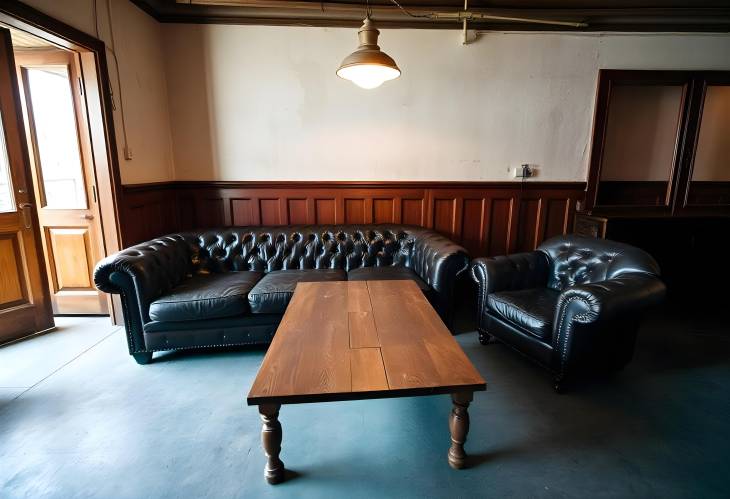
(527, 236)
(270, 211)
(325, 211)
(499, 231)
(444, 215)
(211, 212)
(412, 211)
(152, 210)
(383, 211)
(297, 210)
(12, 277)
(355, 211)
(242, 212)
(472, 225)
(487, 218)
(557, 218)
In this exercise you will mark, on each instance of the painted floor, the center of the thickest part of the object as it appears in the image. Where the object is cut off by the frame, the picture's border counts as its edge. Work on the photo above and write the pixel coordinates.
(79, 418)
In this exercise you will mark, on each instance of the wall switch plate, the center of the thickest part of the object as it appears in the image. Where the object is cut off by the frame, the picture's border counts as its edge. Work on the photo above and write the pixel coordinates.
(524, 171)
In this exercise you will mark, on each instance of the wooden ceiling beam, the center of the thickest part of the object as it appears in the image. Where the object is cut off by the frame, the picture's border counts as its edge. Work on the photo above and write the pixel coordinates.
(346, 14)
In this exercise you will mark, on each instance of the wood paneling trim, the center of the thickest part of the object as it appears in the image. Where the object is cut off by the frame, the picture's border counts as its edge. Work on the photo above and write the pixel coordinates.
(487, 218)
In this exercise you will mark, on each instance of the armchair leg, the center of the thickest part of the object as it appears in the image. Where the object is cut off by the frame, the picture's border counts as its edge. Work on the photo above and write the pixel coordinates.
(142, 358)
(484, 337)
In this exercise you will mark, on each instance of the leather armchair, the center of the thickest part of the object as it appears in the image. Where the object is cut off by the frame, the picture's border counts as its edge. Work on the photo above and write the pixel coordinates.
(574, 303)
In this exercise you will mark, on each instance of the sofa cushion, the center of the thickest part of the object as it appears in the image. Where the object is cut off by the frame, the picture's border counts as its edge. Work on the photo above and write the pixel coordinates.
(530, 309)
(392, 273)
(206, 296)
(271, 294)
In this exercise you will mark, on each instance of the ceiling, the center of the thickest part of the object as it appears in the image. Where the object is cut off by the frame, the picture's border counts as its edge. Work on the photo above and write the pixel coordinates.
(24, 41)
(600, 15)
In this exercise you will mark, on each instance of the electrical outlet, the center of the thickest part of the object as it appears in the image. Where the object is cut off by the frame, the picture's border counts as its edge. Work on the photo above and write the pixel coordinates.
(127, 153)
(524, 171)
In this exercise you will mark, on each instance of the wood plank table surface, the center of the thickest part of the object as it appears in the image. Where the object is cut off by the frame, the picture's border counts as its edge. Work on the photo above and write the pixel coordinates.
(352, 340)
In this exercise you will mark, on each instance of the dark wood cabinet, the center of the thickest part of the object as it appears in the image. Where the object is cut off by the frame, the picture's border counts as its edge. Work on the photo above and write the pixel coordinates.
(661, 144)
(659, 175)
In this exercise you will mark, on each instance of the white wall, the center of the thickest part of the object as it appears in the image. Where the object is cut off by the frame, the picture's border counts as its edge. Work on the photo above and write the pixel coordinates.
(139, 50)
(263, 103)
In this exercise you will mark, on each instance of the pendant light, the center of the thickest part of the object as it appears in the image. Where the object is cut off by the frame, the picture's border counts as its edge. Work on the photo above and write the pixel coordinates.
(368, 67)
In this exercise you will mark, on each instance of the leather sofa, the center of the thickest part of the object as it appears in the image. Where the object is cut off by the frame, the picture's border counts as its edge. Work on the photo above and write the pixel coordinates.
(231, 286)
(574, 303)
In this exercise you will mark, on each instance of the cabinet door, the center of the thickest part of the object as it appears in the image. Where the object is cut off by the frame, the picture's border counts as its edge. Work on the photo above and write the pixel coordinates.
(638, 139)
(708, 172)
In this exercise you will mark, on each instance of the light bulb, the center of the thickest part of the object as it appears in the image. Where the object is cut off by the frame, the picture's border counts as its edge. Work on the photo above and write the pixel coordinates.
(368, 75)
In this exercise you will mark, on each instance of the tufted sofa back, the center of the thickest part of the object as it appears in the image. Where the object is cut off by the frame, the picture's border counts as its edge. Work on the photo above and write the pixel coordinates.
(265, 249)
(582, 260)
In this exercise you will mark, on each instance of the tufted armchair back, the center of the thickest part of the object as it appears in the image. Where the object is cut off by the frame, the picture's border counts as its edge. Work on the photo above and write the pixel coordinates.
(265, 249)
(577, 260)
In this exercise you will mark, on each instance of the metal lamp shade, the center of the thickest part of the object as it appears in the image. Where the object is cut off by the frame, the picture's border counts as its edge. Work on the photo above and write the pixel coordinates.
(368, 67)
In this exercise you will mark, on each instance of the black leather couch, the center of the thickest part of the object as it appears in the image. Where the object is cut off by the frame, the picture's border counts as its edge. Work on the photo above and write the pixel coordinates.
(231, 286)
(574, 303)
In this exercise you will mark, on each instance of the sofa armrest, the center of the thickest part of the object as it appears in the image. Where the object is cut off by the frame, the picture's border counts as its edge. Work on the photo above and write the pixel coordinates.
(507, 273)
(616, 302)
(140, 274)
(438, 261)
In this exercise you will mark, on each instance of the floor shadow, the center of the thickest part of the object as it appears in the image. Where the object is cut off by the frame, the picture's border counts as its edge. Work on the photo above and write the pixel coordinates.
(205, 353)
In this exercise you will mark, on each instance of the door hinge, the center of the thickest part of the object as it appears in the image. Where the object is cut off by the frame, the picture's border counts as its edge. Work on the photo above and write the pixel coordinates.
(81, 86)
(93, 193)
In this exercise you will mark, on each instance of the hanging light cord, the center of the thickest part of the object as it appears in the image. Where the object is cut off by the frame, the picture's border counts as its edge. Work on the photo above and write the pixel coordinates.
(411, 14)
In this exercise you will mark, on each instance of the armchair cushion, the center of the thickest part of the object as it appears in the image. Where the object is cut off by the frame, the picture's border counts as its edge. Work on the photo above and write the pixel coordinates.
(530, 309)
(205, 296)
(272, 294)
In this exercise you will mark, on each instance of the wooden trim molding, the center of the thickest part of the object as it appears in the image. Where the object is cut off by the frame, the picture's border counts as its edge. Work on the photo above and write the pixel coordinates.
(488, 218)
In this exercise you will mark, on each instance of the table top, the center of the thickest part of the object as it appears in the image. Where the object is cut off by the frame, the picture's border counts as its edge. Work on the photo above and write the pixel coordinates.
(352, 340)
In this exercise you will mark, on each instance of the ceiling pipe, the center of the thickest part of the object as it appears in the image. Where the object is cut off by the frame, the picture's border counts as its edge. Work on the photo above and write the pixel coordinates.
(332, 13)
(386, 12)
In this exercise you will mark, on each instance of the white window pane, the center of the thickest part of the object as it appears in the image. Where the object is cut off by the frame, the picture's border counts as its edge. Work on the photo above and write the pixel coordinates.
(7, 203)
(57, 142)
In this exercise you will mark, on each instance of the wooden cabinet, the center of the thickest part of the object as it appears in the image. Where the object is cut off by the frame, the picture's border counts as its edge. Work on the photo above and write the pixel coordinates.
(661, 144)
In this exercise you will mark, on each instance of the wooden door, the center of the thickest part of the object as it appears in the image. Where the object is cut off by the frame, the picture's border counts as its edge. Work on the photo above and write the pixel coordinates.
(63, 174)
(25, 306)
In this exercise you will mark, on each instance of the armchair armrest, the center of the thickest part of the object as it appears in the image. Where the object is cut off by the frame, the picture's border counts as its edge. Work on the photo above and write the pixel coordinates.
(613, 302)
(438, 261)
(508, 273)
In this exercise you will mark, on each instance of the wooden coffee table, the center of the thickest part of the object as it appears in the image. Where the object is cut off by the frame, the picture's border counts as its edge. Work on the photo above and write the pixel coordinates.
(355, 340)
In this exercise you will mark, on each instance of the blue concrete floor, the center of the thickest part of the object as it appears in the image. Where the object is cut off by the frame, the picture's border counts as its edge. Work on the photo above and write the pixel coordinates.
(78, 418)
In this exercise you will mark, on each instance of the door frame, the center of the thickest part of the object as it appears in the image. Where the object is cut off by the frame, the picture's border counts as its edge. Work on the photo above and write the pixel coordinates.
(64, 301)
(97, 84)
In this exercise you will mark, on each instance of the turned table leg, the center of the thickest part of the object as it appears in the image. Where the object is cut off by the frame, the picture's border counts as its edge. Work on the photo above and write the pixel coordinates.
(459, 426)
(271, 441)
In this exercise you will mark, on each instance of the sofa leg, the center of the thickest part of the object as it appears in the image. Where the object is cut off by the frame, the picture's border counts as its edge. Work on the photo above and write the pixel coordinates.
(484, 337)
(142, 358)
(559, 384)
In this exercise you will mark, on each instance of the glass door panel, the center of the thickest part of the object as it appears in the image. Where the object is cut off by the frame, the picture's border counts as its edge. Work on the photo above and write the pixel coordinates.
(640, 144)
(7, 201)
(710, 182)
(56, 138)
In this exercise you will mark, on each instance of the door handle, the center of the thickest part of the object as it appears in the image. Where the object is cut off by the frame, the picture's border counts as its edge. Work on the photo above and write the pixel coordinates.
(25, 208)
(87, 217)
